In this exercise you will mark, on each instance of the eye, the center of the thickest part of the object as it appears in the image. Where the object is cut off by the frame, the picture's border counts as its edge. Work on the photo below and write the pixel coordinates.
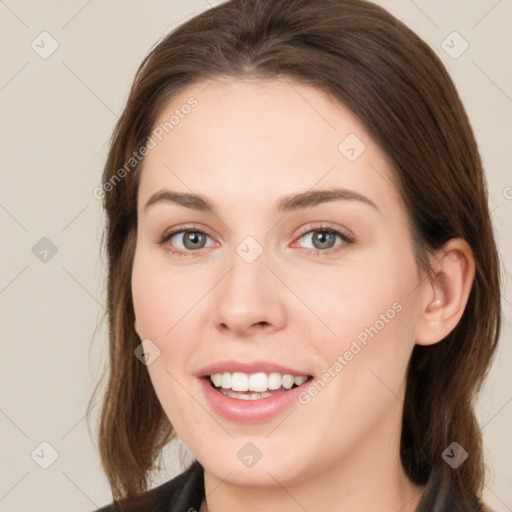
(324, 238)
(188, 240)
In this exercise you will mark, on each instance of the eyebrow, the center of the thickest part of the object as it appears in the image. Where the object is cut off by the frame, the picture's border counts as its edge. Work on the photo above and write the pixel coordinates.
(285, 204)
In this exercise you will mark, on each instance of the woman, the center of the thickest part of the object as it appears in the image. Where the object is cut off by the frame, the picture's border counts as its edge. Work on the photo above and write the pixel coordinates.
(303, 283)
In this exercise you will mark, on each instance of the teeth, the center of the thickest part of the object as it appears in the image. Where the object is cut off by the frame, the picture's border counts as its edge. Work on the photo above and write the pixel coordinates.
(239, 382)
(275, 381)
(300, 380)
(287, 381)
(216, 379)
(256, 382)
(244, 396)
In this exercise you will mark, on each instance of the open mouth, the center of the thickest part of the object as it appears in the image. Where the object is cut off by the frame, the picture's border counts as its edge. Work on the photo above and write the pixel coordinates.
(254, 386)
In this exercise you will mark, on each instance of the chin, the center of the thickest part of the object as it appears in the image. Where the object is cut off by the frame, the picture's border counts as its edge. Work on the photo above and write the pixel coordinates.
(270, 470)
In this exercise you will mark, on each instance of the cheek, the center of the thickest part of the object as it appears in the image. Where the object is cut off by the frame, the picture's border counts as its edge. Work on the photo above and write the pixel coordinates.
(349, 301)
(363, 366)
(371, 314)
(161, 298)
(166, 308)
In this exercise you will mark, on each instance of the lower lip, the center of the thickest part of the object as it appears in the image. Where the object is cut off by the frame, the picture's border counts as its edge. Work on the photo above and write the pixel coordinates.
(250, 411)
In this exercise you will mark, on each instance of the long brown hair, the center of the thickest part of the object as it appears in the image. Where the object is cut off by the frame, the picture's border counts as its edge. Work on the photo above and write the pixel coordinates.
(359, 54)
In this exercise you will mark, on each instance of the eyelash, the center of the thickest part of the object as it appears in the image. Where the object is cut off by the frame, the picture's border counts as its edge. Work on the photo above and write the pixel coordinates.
(315, 252)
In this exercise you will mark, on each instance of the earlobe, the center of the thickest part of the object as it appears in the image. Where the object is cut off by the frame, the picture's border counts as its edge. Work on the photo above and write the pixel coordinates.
(446, 292)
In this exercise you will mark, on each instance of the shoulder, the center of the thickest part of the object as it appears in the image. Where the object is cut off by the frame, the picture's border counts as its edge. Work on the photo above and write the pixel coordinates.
(183, 493)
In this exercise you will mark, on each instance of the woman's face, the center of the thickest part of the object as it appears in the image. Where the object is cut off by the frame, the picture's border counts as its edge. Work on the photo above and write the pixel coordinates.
(274, 280)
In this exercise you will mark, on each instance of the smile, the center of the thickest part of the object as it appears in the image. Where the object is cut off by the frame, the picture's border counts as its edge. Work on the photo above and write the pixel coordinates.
(254, 386)
(251, 391)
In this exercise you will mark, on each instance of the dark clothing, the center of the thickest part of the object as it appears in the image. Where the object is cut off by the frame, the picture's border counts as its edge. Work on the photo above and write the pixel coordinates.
(185, 493)
(439, 497)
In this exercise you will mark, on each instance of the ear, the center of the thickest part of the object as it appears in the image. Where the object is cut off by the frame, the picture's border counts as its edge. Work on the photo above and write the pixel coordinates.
(444, 294)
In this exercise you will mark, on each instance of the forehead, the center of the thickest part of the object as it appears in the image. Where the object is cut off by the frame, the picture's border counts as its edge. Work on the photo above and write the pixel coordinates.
(249, 138)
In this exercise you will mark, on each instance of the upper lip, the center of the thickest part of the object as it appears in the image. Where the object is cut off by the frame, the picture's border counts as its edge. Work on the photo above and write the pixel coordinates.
(249, 368)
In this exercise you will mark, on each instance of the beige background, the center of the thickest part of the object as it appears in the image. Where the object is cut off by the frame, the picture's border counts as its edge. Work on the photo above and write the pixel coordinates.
(57, 114)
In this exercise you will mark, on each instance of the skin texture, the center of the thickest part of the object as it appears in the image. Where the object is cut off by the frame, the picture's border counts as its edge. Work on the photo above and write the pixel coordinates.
(244, 146)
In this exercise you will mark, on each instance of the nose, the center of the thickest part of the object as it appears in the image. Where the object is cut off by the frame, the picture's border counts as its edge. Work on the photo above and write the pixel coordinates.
(249, 298)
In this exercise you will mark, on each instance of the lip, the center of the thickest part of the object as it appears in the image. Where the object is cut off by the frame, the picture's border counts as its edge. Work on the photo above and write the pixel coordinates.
(250, 411)
(249, 368)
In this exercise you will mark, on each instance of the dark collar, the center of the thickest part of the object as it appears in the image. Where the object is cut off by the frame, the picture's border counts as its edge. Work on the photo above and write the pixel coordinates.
(184, 493)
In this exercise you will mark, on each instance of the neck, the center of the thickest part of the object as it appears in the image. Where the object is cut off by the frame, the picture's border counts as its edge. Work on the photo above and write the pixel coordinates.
(386, 495)
(369, 478)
